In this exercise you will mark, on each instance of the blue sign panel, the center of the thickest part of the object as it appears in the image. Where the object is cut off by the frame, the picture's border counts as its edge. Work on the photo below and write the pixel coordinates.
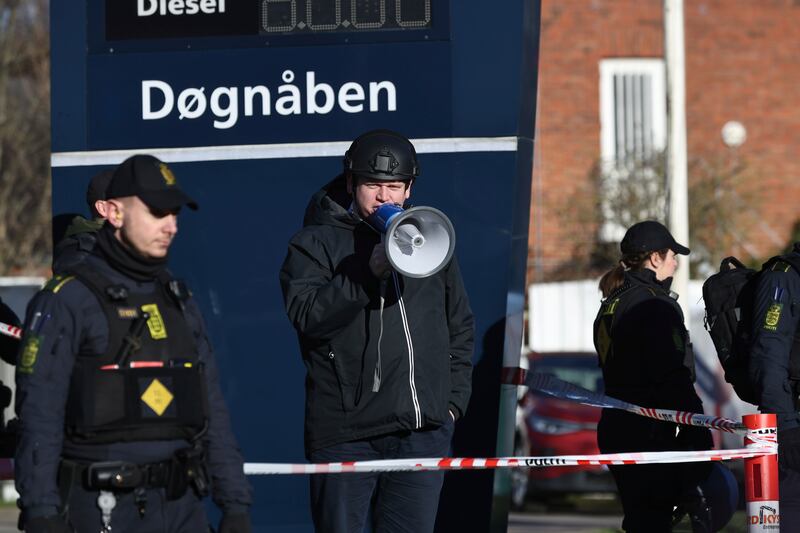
(246, 96)
(253, 106)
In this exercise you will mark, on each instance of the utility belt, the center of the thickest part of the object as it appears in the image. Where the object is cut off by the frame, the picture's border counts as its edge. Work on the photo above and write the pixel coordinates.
(185, 469)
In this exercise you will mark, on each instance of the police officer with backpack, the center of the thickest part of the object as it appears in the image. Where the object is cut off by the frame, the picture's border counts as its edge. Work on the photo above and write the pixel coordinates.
(774, 369)
(123, 426)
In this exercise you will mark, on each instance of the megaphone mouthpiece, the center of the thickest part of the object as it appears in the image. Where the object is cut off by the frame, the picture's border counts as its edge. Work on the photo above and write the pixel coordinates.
(409, 236)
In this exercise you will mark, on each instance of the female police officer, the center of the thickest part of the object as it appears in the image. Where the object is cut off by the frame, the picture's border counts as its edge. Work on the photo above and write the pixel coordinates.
(646, 360)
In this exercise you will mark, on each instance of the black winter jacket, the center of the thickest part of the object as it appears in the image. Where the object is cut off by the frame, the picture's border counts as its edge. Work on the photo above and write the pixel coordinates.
(646, 359)
(773, 358)
(424, 334)
(646, 356)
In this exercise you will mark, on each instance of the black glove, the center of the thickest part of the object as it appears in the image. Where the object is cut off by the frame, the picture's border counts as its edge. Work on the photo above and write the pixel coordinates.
(235, 523)
(47, 524)
(789, 449)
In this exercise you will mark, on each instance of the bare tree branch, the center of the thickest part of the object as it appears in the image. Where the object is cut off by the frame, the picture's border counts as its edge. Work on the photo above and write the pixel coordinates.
(24, 136)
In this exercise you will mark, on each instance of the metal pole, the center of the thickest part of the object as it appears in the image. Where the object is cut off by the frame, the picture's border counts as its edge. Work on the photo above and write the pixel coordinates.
(678, 207)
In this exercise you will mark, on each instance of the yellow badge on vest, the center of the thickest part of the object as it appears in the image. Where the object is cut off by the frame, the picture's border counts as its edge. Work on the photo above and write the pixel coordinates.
(157, 397)
(155, 323)
(773, 316)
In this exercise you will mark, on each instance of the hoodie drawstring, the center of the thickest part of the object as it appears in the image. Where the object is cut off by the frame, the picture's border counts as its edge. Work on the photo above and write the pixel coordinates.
(376, 378)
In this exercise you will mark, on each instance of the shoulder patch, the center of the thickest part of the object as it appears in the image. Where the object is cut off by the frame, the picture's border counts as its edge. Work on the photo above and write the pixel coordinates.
(57, 282)
(28, 354)
(773, 316)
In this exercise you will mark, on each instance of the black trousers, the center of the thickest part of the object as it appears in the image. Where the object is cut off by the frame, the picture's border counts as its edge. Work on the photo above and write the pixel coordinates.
(648, 492)
(184, 515)
(789, 488)
(398, 501)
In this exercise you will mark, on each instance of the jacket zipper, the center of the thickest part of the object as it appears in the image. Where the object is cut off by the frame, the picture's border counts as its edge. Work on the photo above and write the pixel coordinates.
(412, 384)
(332, 359)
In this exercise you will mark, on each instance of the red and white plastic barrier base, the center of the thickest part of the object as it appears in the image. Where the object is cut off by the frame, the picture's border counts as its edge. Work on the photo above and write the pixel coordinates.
(761, 475)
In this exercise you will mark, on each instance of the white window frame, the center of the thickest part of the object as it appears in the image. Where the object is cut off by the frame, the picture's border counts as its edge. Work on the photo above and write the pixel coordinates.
(611, 102)
(609, 68)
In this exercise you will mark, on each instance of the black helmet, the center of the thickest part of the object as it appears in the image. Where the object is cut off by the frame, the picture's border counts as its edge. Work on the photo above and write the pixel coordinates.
(381, 155)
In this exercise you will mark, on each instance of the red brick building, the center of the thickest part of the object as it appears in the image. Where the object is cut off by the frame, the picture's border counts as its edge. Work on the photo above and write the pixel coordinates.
(601, 66)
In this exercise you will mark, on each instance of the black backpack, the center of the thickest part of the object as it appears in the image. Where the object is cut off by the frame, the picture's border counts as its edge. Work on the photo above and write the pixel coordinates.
(729, 297)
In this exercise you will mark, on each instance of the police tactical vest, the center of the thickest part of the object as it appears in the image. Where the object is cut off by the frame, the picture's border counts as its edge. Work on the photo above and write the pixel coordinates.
(148, 384)
(615, 373)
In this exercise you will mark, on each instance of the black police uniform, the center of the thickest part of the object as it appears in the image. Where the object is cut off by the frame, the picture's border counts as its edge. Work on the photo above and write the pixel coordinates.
(775, 372)
(87, 397)
(646, 360)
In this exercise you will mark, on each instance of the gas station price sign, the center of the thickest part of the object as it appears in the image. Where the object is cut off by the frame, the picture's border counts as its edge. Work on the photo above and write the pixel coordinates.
(137, 20)
(308, 16)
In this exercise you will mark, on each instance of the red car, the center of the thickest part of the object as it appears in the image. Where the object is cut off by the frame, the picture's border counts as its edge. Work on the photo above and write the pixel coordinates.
(547, 426)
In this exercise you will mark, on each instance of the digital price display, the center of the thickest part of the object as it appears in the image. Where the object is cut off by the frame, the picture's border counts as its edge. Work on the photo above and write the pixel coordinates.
(137, 20)
(308, 16)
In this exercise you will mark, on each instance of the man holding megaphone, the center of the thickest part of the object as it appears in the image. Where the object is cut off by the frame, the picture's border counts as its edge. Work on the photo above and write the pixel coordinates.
(386, 333)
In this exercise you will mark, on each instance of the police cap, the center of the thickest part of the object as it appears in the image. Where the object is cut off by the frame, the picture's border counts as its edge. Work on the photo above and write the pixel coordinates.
(649, 236)
(151, 181)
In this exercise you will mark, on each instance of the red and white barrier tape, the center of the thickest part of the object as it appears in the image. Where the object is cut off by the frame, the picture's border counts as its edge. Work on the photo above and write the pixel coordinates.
(446, 463)
(10, 331)
(552, 386)
(693, 419)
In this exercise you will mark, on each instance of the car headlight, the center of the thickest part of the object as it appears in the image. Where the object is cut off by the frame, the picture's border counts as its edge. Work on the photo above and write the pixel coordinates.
(553, 426)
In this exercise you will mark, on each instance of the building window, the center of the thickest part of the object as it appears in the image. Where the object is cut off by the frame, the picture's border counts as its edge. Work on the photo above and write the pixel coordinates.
(633, 135)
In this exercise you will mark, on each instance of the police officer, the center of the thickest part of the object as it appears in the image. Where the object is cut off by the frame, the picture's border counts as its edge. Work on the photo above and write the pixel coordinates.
(122, 420)
(774, 370)
(645, 355)
(388, 357)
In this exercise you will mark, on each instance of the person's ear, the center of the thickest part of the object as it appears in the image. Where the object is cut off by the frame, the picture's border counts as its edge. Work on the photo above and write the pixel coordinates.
(114, 213)
(101, 206)
(408, 189)
(655, 259)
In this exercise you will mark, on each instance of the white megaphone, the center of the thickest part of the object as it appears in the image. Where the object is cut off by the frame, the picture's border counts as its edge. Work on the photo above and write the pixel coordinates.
(419, 241)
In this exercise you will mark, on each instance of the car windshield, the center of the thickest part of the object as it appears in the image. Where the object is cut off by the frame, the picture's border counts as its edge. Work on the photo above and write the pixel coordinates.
(580, 371)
